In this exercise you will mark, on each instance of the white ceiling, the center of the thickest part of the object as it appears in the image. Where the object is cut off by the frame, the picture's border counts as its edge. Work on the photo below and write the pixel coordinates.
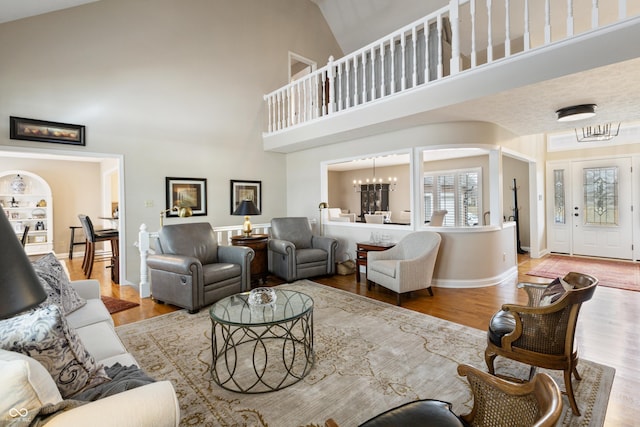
(10, 10)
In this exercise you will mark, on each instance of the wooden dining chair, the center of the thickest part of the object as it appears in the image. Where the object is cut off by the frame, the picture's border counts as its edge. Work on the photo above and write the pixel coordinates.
(92, 237)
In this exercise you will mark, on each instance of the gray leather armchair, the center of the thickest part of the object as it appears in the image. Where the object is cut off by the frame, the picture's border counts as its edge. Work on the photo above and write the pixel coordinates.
(191, 270)
(295, 253)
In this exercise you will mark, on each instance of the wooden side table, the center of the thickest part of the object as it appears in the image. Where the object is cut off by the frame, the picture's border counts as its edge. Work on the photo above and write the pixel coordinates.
(259, 266)
(361, 253)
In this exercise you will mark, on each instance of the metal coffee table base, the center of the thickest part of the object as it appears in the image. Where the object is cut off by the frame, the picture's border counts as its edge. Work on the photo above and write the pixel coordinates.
(262, 358)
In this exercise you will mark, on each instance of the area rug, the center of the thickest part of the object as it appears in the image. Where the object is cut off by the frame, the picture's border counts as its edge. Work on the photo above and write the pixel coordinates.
(370, 356)
(612, 274)
(115, 305)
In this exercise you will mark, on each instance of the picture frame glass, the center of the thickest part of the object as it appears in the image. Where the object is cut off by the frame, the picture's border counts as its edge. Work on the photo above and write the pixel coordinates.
(245, 190)
(187, 193)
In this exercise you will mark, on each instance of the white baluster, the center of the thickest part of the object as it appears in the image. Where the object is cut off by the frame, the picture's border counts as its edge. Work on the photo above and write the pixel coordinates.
(594, 14)
(569, 18)
(403, 68)
(414, 52)
(347, 100)
(290, 106)
(474, 55)
(393, 65)
(364, 77)
(372, 61)
(507, 27)
(323, 92)
(300, 94)
(331, 85)
(340, 82)
(455, 65)
(267, 98)
(355, 80)
(547, 22)
(527, 34)
(382, 92)
(278, 118)
(440, 54)
(489, 36)
(427, 60)
(622, 9)
(305, 99)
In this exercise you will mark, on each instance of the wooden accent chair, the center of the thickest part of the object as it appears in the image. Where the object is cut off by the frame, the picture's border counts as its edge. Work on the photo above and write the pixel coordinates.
(496, 403)
(542, 333)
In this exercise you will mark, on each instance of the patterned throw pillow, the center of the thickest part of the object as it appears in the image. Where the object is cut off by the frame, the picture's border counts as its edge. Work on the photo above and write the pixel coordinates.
(43, 334)
(56, 284)
(554, 291)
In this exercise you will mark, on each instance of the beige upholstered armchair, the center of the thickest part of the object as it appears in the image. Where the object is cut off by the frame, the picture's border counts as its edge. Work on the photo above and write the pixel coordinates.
(295, 253)
(191, 270)
(408, 266)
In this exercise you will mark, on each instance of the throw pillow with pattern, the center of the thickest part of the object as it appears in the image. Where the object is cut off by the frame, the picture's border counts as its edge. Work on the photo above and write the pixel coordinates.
(56, 284)
(43, 334)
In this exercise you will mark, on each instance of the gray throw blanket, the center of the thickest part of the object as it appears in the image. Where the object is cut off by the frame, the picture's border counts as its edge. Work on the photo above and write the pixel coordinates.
(123, 378)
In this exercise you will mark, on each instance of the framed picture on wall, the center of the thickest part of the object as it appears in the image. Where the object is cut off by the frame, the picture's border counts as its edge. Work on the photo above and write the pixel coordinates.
(186, 193)
(245, 190)
(43, 131)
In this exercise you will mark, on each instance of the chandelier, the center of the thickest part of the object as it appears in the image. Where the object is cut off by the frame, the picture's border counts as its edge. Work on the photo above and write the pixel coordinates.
(604, 132)
(374, 183)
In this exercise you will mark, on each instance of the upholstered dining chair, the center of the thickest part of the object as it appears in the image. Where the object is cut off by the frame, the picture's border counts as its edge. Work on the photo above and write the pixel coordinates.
(408, 266)
(496, 403)
(542, 333)
(437, 218)
(296, 253)
(374, 219)
(93, 237)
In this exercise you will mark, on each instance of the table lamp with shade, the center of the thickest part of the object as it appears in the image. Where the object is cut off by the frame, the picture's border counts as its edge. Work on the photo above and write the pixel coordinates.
(19, 285)
(246, 208)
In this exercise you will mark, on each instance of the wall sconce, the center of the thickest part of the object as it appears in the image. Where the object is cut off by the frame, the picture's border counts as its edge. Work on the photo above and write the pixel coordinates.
(246, 208)
(183, 212)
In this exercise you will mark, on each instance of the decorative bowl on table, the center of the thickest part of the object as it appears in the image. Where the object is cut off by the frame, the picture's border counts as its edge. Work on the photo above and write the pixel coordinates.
(262, 296)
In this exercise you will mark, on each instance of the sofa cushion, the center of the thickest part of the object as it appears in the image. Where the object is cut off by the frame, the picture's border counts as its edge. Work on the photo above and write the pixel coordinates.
(56, 284)
(43, 333)
(93, 312)
(30, 384)
(214, 273)
(101, 341)
(306, 256)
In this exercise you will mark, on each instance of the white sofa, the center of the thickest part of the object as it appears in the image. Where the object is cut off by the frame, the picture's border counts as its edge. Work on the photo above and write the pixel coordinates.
(153, 404)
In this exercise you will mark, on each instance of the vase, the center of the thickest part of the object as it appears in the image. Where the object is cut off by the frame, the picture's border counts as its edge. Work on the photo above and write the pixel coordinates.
(17, 185)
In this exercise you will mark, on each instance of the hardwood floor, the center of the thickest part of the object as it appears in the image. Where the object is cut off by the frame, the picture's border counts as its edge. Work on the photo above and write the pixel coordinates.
(607, 331)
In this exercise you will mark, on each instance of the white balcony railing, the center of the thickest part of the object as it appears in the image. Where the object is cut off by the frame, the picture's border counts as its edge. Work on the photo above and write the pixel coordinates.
(461, 36)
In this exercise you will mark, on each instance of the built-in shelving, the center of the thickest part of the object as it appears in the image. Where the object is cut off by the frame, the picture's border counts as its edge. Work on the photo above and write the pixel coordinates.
(30, 207)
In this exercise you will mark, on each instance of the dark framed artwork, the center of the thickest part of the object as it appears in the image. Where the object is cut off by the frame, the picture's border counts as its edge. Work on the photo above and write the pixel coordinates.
(43, 131)
(187, 193)
(245, 190)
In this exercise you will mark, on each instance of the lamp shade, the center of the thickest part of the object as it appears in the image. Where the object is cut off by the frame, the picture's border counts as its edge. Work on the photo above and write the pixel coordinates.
(20, 288)
(247, 207)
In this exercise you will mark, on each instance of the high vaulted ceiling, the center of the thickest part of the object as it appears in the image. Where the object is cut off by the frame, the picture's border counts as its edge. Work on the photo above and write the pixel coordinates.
(526, 110)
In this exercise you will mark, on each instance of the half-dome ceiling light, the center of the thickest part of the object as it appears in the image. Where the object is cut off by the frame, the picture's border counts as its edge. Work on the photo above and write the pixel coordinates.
(576, 112)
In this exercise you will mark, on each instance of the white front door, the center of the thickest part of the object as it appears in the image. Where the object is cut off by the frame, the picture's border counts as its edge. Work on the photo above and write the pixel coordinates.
(600, 209)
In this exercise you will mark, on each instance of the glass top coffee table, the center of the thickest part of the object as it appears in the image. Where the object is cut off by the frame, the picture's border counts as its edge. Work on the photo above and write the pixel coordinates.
(261, 348)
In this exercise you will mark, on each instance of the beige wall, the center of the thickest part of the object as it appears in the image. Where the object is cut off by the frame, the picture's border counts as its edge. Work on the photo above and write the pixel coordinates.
(343, 195)
(175, 87)
(75, 189)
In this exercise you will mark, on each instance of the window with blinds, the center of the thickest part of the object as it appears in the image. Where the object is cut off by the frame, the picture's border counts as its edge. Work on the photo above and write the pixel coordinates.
(459, 192)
